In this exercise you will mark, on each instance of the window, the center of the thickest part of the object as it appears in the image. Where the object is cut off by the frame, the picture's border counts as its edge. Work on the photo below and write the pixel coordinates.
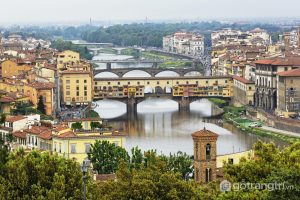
(206, 82)
(157, 82)
(285, 69)
(187, 82)
(87, 148)
(148, 82)
(77, 81)
(108, 83)
(67, 92)
(119, 83)
(85, 93)
(85, 88)
(197, 151)
(138, 82)
(177, 82)
(85, 81)
(77, 93)
(96, 83)
(67, 81)
(207, 151)
(77, 88)
(73, 148)
(67, 87)
(128, 83)
(230, 160)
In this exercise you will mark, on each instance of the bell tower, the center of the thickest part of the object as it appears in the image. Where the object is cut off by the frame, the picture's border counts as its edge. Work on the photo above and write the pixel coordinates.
(205, 151)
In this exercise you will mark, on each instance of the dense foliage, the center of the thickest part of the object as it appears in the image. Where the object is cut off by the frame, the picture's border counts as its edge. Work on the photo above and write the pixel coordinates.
(76, 126)
(150, 34)
(39, 176)
(62, 45)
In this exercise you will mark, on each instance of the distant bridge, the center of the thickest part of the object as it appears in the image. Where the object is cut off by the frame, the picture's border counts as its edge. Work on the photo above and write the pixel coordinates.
(93, 44)
(120, 72)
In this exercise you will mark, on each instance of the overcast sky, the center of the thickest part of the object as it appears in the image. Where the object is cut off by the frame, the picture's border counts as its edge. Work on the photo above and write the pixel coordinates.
(19, 11)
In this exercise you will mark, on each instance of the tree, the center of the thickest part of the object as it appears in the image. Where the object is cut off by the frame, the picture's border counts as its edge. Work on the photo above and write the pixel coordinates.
(2, 118)
(136, 158)
(40, 176)
(41, 105)
(95, 125)
(76, 126)
(271, 165)
(106, 156)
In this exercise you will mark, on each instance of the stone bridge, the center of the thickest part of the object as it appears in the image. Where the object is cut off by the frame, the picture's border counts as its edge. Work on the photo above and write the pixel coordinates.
(120, 72)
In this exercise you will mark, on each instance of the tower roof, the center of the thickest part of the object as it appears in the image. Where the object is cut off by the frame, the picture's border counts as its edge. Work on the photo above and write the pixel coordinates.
(204, 133)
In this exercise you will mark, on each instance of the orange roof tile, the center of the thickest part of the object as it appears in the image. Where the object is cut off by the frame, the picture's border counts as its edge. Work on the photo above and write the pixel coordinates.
(66, 134)
(15, 118)
(19, 134)
(243, 80)
(204, 133)
(40, 85)
(291, 73)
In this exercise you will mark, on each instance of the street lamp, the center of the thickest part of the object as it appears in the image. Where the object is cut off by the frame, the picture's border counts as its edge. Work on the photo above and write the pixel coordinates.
(84, 169)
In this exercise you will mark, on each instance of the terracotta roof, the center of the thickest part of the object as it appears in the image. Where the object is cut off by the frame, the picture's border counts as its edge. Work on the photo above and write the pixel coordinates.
(66, 134)
(291, 73)
(204, 133)
(19, 134)
(47, 135)
(15, 118)
(291, 61)
(60, 128)
(37, 130)
(40, 85)
(243, 80)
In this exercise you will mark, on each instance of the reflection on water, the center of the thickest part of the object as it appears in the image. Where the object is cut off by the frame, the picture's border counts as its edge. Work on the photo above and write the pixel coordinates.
(159, 125)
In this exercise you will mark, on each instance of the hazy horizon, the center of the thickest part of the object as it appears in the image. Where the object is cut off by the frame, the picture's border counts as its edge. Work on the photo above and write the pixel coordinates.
(79, 11)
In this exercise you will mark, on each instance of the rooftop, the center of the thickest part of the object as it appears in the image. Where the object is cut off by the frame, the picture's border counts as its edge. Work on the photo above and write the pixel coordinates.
(204, 133)
(243, 80)
(290, 73)
(15, 118)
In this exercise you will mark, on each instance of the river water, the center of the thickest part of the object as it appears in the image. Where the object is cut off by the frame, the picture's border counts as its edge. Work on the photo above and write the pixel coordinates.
(159, 125)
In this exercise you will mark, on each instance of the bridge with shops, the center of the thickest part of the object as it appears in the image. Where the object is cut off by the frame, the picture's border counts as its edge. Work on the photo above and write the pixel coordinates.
(184, 89)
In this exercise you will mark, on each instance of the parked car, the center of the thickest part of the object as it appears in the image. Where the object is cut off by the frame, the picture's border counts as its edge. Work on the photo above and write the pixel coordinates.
(255, 124)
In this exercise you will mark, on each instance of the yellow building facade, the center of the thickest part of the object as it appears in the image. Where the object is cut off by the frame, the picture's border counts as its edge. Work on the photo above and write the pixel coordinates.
(76, 145)
(46, 90)
(76, 87)
(66, 58)
(11, 68)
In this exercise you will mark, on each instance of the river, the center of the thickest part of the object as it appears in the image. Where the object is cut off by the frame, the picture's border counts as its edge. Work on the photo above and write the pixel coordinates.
(159, 125)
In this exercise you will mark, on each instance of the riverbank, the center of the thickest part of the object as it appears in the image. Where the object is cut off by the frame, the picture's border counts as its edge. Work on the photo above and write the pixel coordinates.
(234, 115)
(237, 117)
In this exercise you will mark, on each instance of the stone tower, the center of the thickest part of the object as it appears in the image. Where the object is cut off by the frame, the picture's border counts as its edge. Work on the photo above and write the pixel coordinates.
(205, 151)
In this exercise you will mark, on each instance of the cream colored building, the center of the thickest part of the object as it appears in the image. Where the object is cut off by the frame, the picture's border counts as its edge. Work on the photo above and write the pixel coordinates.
(288, 92)
(243, 91)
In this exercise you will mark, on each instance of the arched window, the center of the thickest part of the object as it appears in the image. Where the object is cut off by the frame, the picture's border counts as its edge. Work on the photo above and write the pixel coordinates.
(208, 150)
(207, 175)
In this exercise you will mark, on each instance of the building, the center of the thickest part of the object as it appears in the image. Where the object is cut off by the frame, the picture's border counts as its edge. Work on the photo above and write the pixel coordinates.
(66, 58)
(11, 68)
(205, 152)
(229, 36)
(184, 43)
(243, 91)
(288, 97)
(36, 89)
(76, 144)
(76, 87)
(266, 70)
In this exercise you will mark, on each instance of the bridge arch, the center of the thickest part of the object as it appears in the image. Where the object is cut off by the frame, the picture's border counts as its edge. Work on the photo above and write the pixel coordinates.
(106, 75)
(159, 90)
(167, 73)
(131, 73)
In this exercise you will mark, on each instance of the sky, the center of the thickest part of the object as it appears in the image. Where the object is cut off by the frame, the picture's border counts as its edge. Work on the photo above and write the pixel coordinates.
(31, 11)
